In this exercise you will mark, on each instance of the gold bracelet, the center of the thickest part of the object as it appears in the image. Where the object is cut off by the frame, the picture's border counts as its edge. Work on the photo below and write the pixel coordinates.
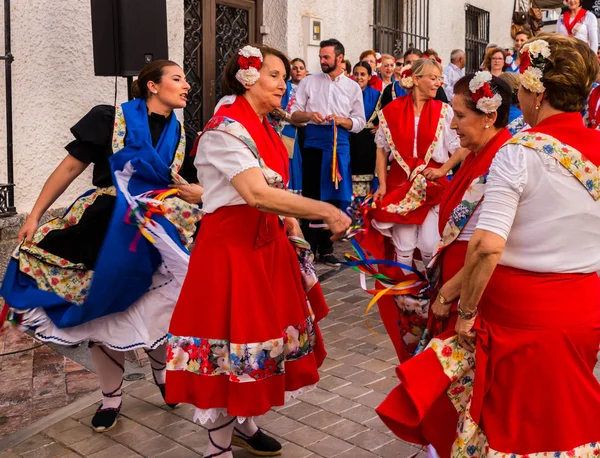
(466, 315)
(442, 299)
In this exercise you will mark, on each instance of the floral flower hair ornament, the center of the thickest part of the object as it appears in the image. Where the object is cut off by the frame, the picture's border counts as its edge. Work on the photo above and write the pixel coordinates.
(406, 80)
(250, 61)
(534, 57)
(483, 94)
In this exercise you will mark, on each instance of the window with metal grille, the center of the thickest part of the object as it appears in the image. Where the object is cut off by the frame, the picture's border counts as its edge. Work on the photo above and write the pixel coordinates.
(477, 36)
(400, 24)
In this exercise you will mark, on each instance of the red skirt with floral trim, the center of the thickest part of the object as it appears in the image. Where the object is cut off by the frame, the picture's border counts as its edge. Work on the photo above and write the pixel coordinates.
(243, 334)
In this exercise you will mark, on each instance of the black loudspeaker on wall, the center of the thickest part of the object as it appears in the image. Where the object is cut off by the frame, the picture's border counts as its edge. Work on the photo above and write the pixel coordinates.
(128, 34)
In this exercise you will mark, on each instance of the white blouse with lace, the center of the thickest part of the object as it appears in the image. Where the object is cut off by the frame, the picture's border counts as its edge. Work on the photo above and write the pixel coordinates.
(448, 142)
(549, 220)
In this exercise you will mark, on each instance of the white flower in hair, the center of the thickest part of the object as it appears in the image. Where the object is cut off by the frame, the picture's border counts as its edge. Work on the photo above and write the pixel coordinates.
(250, 62)
(251, 51)
(538, 48)
(406, 80)
(489, 105)
(531, 79)
(479, 80)
(482, 93)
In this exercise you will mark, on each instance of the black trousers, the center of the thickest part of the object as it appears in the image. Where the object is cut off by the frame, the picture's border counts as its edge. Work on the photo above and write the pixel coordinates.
(318, 238)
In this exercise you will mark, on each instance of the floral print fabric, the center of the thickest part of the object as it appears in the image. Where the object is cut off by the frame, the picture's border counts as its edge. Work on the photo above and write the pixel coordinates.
(241, 363)
(571, 159)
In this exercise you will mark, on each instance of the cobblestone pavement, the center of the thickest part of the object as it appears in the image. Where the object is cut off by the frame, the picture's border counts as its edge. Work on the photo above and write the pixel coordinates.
(336, 419)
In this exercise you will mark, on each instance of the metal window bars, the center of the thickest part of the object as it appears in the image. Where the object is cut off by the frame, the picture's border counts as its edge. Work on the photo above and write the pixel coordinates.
(400, 24)
(477, 36)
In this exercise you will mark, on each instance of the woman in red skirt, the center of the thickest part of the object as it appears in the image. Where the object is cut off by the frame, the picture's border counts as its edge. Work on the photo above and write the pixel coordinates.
(481, 106)
(244, 337)
(530, 303)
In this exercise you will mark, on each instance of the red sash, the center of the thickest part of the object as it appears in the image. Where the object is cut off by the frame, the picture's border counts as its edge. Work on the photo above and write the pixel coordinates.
(474, 166)
(570, 130)
(569, 25)
(270, 147)
(593, 112)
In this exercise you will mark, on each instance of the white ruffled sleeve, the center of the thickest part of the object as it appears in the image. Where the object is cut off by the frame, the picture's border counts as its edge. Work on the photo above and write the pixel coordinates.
(381, 140)
(226, 153)
(449, 141)
(505, 184)
(592, 25)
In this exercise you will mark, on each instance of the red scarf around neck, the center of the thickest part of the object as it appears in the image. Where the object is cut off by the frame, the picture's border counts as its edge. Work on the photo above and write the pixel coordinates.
(270, 147)
(569, 25)
(593, 111)
(400, 117)
(474, 166)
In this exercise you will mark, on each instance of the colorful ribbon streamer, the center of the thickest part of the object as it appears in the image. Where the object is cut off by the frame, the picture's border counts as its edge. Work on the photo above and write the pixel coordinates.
(336, 177)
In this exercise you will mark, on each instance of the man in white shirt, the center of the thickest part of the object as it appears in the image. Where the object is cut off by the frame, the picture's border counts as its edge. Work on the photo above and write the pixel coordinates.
(454, 71)
(332, 106)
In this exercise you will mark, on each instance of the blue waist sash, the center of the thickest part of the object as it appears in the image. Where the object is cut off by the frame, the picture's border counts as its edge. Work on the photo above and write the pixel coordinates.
(321, 137)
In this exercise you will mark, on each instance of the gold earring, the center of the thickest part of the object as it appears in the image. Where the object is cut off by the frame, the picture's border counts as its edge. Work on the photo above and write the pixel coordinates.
(537, 107)
(487, 126)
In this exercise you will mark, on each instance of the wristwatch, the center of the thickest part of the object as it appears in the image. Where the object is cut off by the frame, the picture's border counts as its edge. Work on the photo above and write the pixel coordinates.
(442, 299)
(466, 315)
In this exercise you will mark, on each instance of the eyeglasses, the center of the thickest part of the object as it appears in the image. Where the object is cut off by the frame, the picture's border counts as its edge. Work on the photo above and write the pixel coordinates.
(498, 58)
(400, 64)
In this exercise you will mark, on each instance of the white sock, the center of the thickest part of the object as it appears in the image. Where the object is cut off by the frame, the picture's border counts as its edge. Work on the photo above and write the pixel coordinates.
(248, 427)
(221, 437)
(431, 452)
(158, 363)
(403, 258)
(109, 366)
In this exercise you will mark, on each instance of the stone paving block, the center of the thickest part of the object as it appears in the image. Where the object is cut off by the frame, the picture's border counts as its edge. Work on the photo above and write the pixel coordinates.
(115, 451)
(91, 445)
(345, 429)
(397, 449)
(144, 392)
(300, 410)
(372, 399)
(377, 424)
(343, 370)
(321, 420)
(359, 414)
(142, 412)
(376, 339)
(331, 339)
(179, 452)
(284, 426)
(71, 436)
(339, 327)
(267, 418)
(160, 420)
(155, 446)
(291, 450)
(357, 332)
(290, 403)
(357, 452)
(185, 411)
(80, 383)
(365, 349)
(61, 426)
(384, 385)
(33, 443)
(387, 355)
(338, 405)
(8, 453)
(376, 366)
(354, 359)
(305, 436)
(317, 396)
(365, 378)
(346, 344)
(329, 364)
(53, 450)
(352, 391)
(10, 424)
(330, 446)
(371, 440)
(182, 429)
(331, 382)
(351, 319)
(90, 410)
(196, 441)
(134, 436)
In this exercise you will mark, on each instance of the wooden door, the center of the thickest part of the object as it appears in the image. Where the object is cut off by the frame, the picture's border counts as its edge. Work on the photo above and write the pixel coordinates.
(214, 29)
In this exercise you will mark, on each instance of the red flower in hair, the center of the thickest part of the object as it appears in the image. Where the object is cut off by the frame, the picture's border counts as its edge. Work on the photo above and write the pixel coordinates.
(246, 62)
(406, 73)
(525, 61)
(483, 91)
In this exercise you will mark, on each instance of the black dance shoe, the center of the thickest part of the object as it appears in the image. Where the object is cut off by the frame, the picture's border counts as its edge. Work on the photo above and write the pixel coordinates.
(105, 419)
(258, 444)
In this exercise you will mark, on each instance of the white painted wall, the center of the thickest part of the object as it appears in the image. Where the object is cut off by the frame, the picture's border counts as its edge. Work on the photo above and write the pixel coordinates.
(54, 86)
(347, 20)
(447, 24)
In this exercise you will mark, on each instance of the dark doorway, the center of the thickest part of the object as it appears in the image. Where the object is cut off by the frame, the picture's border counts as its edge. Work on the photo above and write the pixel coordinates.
(214, 29)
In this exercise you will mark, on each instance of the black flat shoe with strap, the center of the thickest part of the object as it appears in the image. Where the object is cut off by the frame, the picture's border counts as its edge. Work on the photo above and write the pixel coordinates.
(161, 386)
(106, 419)
(223, 450)
(258, 444)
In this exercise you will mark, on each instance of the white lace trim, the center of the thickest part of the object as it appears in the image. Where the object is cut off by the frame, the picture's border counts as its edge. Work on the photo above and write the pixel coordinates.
(243, 169)
(552, 164)
(203, 416)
